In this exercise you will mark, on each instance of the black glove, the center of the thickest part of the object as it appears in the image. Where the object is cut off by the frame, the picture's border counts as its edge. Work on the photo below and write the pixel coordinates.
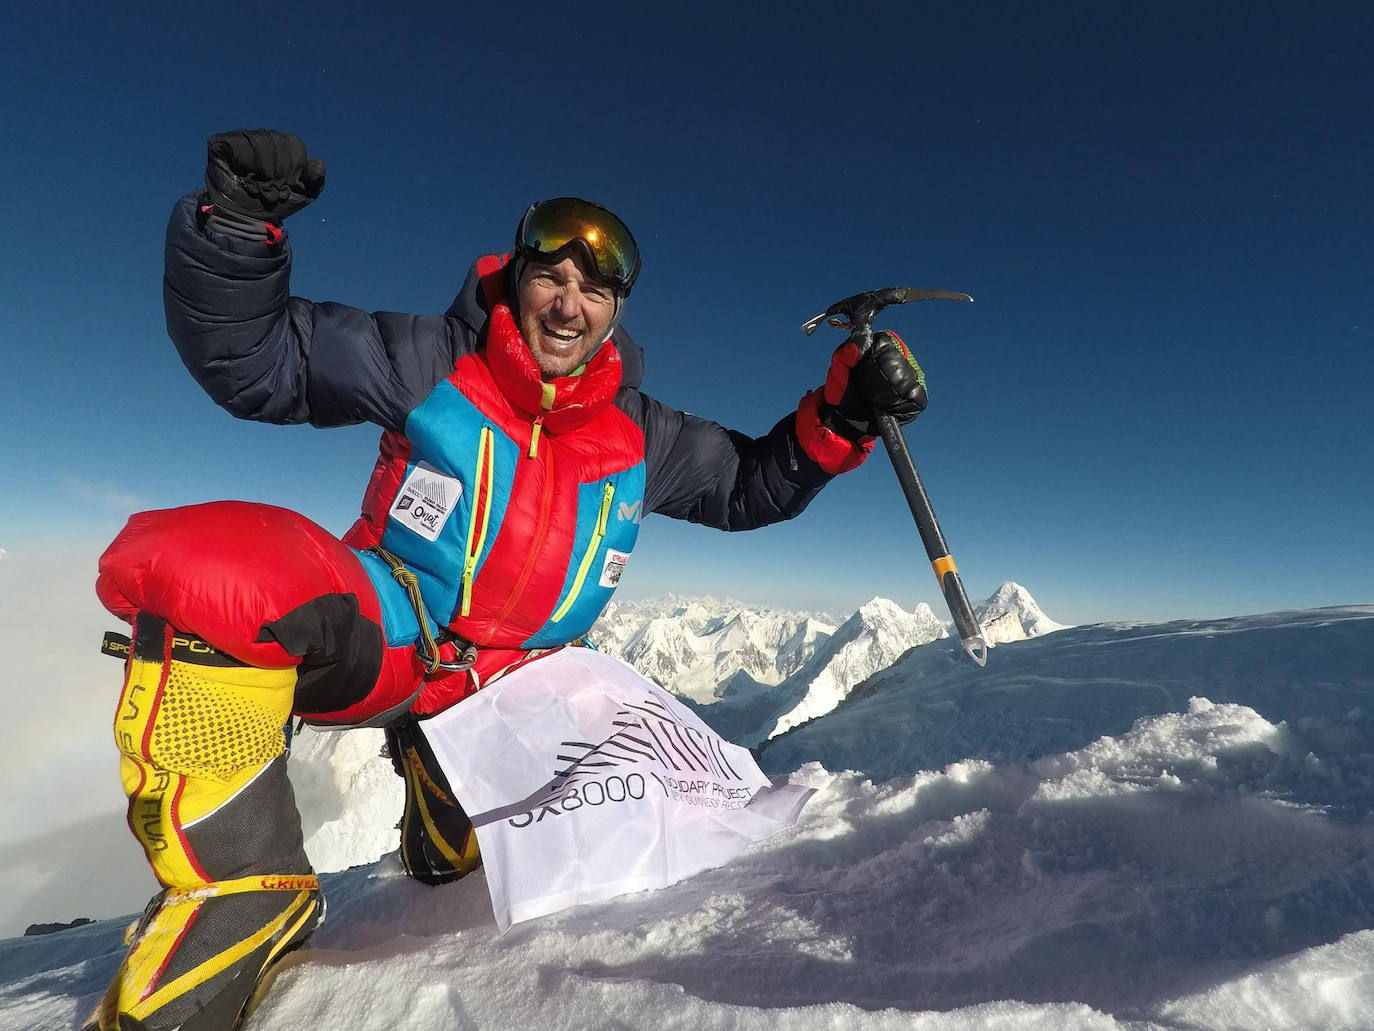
(256, 177)
(885, 381)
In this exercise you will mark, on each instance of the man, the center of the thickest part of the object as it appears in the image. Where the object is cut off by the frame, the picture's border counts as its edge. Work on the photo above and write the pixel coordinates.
(516, 455)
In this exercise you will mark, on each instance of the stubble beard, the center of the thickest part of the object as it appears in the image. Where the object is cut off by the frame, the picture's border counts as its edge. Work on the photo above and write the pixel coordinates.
(553, 365)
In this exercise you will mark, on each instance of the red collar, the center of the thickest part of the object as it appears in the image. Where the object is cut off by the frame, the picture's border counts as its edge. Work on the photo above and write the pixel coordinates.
(565, 402)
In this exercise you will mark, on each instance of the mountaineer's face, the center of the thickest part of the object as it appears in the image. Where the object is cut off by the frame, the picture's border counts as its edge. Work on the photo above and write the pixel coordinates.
(564, 314)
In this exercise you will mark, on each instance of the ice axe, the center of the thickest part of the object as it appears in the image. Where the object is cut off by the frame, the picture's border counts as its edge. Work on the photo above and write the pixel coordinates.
(856, 314)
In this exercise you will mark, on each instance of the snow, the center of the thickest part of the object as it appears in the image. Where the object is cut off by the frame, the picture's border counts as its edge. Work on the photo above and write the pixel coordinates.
(343, 784)
(703, 649)
(869, 641)
(1013, 600)
(1056, 692)
(755, 673)
(1141, 827)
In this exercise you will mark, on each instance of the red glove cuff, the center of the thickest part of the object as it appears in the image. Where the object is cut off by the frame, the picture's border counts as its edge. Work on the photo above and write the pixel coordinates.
(844, 359)
(827, 449)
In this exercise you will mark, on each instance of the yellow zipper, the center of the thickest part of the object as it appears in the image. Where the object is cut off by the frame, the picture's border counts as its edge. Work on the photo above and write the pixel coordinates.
(582, 569)
(546, 406)
(477, 536)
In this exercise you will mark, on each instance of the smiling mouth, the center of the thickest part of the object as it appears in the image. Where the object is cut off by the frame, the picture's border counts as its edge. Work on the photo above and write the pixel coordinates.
(560, 336)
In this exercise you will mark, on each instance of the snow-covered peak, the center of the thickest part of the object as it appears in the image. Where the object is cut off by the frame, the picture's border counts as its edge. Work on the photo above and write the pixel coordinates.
(349, 796)
(868, 641)
(882, 618)
(1012, 598)
(878, 609)
(925, 612)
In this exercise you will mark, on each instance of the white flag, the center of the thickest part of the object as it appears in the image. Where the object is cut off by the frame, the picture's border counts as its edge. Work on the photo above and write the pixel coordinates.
(586, 781)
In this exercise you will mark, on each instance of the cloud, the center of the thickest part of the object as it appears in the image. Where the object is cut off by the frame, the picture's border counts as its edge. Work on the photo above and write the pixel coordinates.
(59, 769)
(106, 495)
(57, 691)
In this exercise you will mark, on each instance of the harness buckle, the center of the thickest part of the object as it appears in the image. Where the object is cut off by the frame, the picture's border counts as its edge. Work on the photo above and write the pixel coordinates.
(466, 656)
(427, 645)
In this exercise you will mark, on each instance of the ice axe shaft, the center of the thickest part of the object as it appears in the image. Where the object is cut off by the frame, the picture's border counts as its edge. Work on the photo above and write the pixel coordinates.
(970, 634)
(856, 314)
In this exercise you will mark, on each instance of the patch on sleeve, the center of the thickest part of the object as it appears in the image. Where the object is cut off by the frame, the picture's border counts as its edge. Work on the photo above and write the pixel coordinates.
(614, 567)
(426, 500)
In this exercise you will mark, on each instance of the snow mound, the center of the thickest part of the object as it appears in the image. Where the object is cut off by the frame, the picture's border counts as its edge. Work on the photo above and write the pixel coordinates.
(1003, 629)
(1161, 878)
(1329, 986)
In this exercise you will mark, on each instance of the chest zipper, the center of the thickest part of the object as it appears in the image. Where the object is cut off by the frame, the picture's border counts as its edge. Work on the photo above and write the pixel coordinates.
(597, 535)
(546, 405)
(541, 529)
(480, 518)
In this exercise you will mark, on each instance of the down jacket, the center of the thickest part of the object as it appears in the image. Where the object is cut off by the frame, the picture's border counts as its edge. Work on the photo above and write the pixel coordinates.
(530, 495)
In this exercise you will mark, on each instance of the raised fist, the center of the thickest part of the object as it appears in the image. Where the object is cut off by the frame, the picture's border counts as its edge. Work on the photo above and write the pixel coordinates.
(256, 177)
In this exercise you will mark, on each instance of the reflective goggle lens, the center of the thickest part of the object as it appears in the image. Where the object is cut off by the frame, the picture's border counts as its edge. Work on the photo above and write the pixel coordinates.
(552, 225)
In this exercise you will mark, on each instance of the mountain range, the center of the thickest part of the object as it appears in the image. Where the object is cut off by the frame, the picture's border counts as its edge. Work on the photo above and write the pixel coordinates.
(753, 672)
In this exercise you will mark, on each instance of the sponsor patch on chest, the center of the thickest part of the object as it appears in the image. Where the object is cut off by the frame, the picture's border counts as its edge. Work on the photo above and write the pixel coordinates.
(425, 501)
(614, 567)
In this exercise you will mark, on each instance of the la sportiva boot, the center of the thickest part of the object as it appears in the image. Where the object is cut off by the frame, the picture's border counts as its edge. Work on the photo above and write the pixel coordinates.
(201, 741)
(438, 843)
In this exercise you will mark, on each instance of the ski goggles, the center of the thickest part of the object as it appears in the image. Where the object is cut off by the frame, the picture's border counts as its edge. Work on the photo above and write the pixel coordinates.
(550, 228)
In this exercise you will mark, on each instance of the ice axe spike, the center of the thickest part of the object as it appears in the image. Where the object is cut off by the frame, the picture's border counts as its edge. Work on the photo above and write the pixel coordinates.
(856, 314)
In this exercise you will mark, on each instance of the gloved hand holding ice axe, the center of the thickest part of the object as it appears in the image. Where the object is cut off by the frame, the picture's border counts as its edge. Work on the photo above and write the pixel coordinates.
(907, 398)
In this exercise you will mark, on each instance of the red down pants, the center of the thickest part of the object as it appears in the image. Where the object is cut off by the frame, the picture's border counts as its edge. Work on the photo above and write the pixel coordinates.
(272, 589)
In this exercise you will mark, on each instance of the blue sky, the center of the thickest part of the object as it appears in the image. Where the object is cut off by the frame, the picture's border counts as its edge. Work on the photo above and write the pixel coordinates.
(1158, 406)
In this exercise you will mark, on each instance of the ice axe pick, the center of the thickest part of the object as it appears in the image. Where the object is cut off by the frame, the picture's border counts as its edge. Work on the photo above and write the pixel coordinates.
(856, 314)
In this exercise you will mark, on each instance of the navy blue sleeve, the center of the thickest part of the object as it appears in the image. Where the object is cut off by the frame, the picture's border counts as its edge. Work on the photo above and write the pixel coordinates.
(264, 355)
(702, 472)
